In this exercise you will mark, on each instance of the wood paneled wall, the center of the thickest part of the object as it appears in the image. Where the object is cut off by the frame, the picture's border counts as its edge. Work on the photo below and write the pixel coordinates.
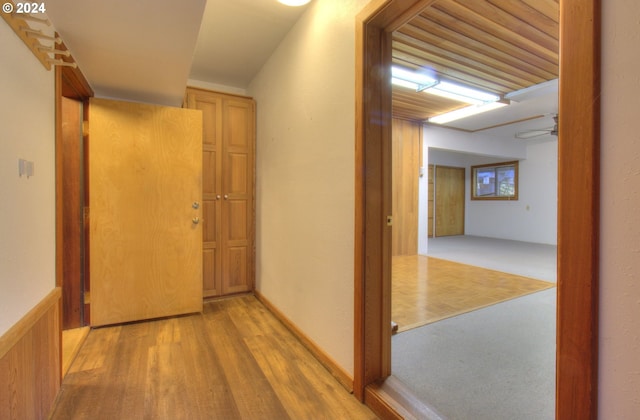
(407, 158)
(30, 362)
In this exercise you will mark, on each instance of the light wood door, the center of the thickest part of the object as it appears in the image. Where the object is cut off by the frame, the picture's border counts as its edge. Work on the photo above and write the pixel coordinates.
(145, 179)
(406, 139)
(449, 201)
(228, 190)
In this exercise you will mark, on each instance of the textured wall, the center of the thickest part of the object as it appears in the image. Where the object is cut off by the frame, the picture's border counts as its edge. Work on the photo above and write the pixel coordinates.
(619, 392)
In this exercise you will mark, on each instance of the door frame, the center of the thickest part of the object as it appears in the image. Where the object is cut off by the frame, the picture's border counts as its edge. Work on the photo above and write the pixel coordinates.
(70, 83)
(578, 200)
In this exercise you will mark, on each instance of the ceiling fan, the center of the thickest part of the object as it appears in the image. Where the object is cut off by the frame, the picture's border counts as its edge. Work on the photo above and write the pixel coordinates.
(538, 132)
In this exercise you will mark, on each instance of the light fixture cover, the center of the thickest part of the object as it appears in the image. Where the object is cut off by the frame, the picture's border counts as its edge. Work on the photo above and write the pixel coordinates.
(466, 112)
(411, 79)
(294, 2)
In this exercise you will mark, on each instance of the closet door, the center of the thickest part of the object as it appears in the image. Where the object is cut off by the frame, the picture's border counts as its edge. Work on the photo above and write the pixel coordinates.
(145, 177)
(228, 190)
(238, 186)
(211, 107)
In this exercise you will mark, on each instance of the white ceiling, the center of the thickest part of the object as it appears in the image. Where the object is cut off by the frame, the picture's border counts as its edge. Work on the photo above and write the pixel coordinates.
(237, 37)
(146, 50)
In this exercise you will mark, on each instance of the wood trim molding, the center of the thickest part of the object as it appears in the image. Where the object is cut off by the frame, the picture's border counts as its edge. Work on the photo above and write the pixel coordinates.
(578, 210)
(10, 338)
(578, 201)
(391, 399)
(327, 361)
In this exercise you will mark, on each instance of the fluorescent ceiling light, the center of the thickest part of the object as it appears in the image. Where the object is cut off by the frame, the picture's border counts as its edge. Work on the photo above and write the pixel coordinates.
(411, 79)
(466, 112)
(428, 84)
(294, 2)
(462, 93)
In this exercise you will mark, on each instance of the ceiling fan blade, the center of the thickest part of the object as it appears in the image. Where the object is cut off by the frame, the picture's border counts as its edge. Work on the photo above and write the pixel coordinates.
(529, 134)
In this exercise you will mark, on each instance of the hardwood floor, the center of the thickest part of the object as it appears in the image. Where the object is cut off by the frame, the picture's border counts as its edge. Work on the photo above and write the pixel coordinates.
(72, 340)
(426, 289)
(234, 361)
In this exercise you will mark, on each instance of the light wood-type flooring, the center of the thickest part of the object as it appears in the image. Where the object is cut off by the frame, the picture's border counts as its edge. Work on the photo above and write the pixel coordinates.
(234, 361)
(426, 289)
(72, 341)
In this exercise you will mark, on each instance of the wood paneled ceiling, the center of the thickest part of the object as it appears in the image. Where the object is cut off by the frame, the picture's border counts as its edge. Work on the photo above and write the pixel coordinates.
(498, 46)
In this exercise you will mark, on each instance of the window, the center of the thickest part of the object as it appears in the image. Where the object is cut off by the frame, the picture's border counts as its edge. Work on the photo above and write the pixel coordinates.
(496, 181)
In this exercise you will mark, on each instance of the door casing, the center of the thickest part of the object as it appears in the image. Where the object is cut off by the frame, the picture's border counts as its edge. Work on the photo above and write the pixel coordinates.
(578, 208)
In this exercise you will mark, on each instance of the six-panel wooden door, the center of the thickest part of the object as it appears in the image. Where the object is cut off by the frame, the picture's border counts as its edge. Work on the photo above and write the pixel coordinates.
(145, 177)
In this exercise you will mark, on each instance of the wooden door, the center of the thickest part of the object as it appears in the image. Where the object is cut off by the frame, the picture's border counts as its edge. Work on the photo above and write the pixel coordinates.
(145, 181)
(211, 107)
(406, 140)
(449, 201)
(237, 188)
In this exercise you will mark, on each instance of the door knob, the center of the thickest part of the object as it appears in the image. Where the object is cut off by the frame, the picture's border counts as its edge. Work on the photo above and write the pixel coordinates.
(195, 205)
(195, 220)
(218, 197)
(226, 196)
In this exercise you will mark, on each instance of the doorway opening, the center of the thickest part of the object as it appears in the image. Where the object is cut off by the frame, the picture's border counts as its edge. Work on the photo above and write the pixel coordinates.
(576, 373)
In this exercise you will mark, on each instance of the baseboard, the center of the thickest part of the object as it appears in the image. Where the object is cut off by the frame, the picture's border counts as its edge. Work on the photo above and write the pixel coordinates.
(30, 361)
(336, 370)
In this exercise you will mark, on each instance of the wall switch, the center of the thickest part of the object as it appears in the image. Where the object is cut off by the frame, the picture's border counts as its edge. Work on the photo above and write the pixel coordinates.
(25, 168)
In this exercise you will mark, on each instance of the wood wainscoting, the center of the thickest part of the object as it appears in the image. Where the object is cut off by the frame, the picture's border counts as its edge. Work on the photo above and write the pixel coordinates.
(30, 361)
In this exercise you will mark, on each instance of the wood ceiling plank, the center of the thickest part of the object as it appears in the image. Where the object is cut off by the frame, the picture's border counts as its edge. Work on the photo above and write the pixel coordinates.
(508, 23)
(483, 16)
(434, 33)
(457, 69)
(549, 8)
(528, 15)
(456, 25)
(480, 59)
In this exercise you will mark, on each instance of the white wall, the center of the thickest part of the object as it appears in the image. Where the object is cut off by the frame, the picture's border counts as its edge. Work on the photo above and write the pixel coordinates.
(533, 217)
(619, 384)
(27, 219)
(305, 176)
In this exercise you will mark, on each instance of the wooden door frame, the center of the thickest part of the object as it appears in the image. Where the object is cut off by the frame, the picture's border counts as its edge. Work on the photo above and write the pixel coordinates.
(578, 200)
(70, 83)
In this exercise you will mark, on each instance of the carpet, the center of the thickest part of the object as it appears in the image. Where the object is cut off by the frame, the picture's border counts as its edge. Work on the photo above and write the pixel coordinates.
(497, 363)
(427, 289)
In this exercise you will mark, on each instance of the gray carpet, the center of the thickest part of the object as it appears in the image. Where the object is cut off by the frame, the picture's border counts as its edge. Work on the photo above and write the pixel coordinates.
(522, 258)
(493, 363)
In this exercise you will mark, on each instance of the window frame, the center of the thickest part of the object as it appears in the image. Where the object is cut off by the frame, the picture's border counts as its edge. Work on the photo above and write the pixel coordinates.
(495, 166)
